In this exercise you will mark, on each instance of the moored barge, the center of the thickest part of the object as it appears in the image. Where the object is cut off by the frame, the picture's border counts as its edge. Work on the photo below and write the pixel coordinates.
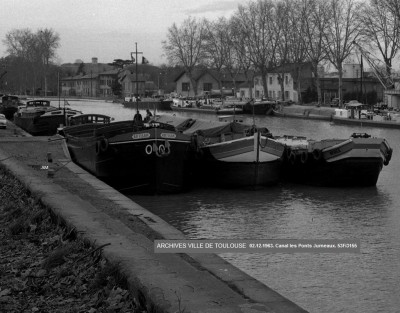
(148, 158)
(356, 161)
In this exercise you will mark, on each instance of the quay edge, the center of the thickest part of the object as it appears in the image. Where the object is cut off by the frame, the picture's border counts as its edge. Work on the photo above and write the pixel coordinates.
(164, 282)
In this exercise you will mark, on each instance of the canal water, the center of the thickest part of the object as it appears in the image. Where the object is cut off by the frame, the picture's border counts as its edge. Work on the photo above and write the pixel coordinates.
(366, 282)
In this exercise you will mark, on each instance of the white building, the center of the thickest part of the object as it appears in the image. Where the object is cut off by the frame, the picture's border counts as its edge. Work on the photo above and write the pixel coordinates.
(291, 84)
(274, 87)
(351, 70)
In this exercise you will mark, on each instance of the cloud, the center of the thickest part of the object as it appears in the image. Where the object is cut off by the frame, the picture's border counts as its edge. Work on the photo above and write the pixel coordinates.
(215, 7)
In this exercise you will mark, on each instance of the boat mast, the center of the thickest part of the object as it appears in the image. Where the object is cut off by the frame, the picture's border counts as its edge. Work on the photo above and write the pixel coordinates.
(361, 79)
(58, 90)
(137, 82)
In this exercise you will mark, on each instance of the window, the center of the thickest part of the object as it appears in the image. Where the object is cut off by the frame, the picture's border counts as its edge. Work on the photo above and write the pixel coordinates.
(270, 80)
(286, 79)
(286, 94)
(185, 86)
(207, 87)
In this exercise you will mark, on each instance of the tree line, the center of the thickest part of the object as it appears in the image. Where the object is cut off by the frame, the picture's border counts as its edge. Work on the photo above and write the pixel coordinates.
(30, 60)
(270, 34)
(31, 65)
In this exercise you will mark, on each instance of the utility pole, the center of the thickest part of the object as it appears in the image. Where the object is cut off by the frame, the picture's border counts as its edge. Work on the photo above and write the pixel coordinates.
(137, 82)
(91, 77)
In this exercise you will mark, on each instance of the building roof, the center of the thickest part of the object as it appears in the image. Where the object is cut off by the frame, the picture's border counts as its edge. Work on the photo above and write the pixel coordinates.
(223, 75)
(132, 77)
(109, 72)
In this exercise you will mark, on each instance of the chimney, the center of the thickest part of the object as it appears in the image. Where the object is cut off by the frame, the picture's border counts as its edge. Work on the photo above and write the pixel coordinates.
(95, 65)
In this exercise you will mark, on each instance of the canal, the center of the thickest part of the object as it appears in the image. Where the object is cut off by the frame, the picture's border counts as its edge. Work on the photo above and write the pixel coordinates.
(365, 282)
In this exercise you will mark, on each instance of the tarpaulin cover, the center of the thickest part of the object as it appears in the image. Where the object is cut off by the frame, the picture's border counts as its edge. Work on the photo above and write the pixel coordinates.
(215, 128)
(176, 121)
(354, 105)
(205, 128)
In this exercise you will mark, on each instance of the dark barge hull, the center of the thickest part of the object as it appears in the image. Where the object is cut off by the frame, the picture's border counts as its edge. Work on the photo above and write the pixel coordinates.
(258, 108)
(236, 175)
(164, 105)
(343, 173)
(133, 165)
(365, 122)
(40, 126)
(8, 111)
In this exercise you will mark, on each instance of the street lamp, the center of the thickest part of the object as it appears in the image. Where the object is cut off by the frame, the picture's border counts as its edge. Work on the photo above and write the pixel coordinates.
(159, 83)
(91, 83)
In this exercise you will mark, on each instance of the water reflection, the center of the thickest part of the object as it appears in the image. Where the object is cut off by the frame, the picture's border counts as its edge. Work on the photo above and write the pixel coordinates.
(272, 212)
(294, 211)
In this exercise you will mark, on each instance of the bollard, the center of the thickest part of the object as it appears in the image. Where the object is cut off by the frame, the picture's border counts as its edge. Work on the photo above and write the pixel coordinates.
(49, 157)
(50, 173)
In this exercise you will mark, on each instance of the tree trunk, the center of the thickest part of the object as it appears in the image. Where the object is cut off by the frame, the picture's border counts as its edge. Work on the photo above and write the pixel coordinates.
(281, 79)
(250, 82)
(340, 70)
(193, 82)
(264, 82)
(298, 74)
(317, 83)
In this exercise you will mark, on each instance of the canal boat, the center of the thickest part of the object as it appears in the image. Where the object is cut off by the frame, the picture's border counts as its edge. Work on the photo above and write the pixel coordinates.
(259, 107)
(355, 161)
(151, 104)
(367, 118)
(228, 109)
(9, 105)
(211, 106)
(304, 112)
(147, 158)
(232, 154)
(39, 118)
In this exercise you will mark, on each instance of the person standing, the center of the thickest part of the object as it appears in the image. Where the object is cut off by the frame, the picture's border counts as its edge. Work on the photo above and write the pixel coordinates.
(138, 119)
(148, 116)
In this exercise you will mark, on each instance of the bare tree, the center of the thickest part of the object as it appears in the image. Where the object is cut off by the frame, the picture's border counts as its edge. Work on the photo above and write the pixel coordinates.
(18, 42)
(20, 45)
(392, 5)
(282, 31)
(217, 47)
(47, 41)
(291, 48)
(381, 31)
(316, 17)
(297, 44)
(342, 30)
(241, 53)
(233, 64)
(255, 21)
(185, 46)
(36, 50)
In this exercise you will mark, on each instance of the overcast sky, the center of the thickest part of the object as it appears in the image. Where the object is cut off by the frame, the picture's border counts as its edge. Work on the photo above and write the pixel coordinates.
(107, 29)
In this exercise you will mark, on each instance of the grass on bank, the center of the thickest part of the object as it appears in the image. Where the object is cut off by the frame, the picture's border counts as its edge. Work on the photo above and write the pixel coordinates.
(47, 267)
